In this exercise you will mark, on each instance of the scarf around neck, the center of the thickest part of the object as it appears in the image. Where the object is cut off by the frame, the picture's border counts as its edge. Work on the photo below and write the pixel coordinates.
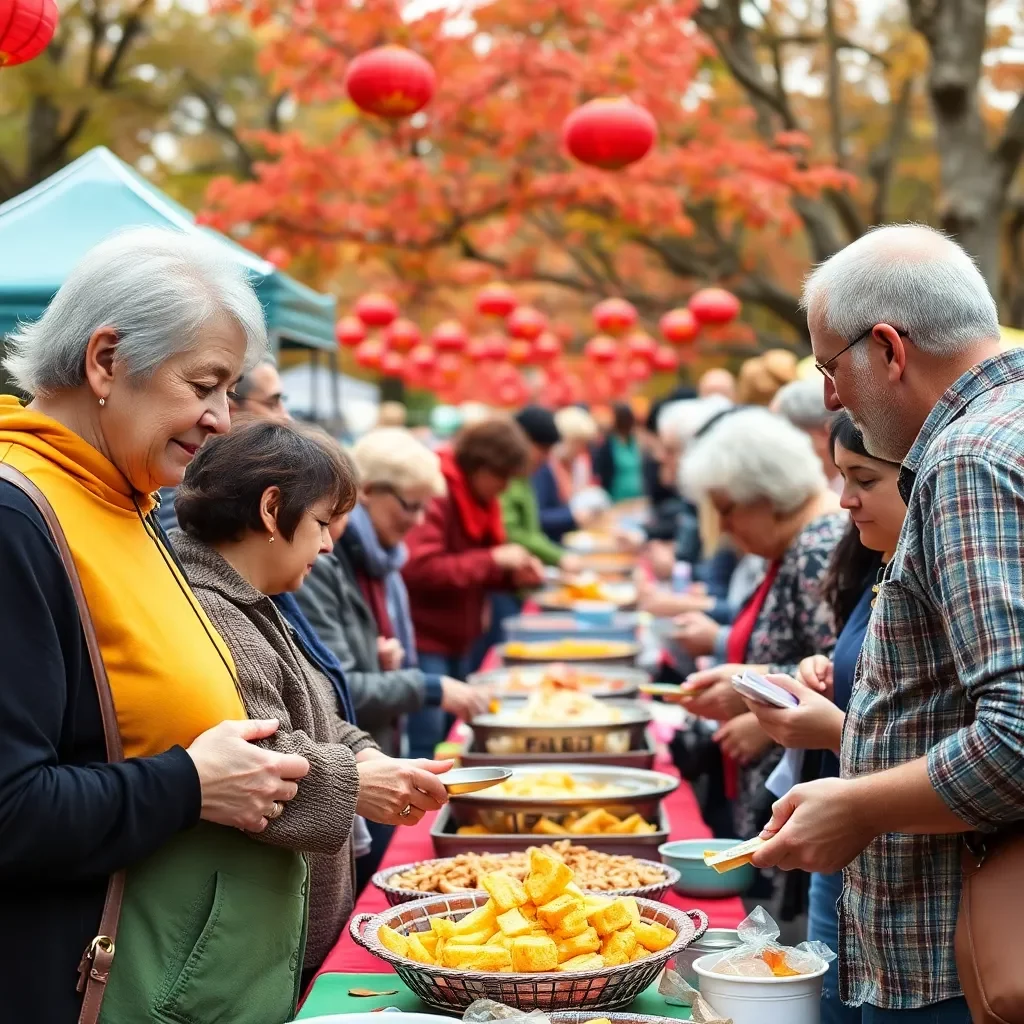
(385, 564)
(483, 523)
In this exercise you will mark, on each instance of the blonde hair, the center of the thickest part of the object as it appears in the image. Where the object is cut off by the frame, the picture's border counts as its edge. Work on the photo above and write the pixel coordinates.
(393, 457)
(392, 414)
(761, 377)
(575, 424)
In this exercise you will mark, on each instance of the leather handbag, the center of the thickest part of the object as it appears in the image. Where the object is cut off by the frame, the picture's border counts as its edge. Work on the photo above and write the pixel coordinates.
(94, 968)
(988, 928)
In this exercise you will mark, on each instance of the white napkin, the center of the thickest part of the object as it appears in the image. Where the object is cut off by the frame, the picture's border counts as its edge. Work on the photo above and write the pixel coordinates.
(787, 773)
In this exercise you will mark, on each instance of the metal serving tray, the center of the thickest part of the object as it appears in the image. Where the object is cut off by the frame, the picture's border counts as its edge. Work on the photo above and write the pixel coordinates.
(549, 626)
(626, 656)
(618, 682)
(448, 843)
(641, 757)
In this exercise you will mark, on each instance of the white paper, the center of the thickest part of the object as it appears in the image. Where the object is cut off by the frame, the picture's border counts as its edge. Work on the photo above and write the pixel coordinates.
(787, 773)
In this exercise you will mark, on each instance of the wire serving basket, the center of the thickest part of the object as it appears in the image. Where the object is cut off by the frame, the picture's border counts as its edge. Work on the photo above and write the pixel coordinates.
(397, 896)
(446, 988)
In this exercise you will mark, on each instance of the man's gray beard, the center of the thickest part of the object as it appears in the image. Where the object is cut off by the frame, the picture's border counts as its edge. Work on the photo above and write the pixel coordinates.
(883, 435)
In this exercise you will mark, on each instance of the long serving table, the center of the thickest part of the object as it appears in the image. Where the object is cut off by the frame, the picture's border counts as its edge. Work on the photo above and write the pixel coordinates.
(330, 994)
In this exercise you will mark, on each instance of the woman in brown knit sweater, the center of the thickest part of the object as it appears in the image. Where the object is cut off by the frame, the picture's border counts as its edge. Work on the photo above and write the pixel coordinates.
(255, 509)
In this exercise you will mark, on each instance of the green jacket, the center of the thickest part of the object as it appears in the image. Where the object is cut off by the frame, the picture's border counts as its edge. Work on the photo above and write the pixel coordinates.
(212, 931)
(522, 522)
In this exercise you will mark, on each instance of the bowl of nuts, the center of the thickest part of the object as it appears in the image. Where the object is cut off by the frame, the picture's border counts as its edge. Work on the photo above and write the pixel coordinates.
(596, 872)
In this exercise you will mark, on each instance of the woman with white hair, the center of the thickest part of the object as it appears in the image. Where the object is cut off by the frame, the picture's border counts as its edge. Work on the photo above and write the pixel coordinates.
(766, 483)
(566, 473)
(356, 600)
(127, 766)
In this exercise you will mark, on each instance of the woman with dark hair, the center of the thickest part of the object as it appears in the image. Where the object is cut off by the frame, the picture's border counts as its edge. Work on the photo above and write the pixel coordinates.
(255, 510)
(619, 461)
(458, 557)
(871, 494)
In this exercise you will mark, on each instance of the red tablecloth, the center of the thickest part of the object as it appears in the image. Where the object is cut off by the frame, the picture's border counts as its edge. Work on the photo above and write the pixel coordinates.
(414, 843)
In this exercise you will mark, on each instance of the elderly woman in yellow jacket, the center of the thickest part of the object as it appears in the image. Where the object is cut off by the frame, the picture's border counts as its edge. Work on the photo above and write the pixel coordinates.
(129, 372)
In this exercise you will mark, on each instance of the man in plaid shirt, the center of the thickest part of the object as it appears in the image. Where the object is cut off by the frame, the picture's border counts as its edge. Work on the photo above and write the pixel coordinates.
(905, 332)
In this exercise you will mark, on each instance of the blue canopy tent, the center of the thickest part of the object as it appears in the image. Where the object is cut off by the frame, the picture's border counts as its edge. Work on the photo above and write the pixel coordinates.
(45, 230)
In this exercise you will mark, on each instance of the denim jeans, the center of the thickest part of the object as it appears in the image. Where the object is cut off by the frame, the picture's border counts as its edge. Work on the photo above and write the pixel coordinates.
(951, 1011)
(429, 726)
(823, 926)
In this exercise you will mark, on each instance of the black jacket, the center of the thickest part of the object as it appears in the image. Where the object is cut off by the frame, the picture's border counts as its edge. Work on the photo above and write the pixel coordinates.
(67, 818)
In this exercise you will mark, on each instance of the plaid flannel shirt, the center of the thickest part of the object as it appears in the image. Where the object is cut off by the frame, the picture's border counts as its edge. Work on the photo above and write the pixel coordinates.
(941, 676)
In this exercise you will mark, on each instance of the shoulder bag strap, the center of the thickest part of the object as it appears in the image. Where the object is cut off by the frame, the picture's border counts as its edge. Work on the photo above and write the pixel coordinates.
(94, 968)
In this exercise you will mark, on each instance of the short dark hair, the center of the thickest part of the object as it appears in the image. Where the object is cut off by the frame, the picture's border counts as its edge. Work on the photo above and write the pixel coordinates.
(497, 444)
(625, 420)
(539, 425)
(219, 499)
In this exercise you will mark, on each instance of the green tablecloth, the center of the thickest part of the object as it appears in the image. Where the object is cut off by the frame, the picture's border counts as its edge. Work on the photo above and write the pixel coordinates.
(330, 994)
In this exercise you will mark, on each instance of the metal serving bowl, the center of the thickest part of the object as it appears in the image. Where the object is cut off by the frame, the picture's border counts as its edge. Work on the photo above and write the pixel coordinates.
(599, 681)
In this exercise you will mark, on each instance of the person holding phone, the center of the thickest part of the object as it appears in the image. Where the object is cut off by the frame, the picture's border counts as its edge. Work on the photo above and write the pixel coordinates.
(823, 685)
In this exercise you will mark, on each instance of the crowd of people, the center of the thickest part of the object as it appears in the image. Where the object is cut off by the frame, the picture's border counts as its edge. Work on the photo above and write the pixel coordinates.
(231, 646)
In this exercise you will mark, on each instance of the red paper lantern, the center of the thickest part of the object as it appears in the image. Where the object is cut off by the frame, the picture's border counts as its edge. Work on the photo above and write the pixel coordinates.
(449, 336)
(714, 306)
(618, 374)
(614, 316)
(496, 347)
(449, 366)
(26, 28)
(496, 300)
(423, 359)
(376, 310)
(477, 350)
(601, 349)
(678, 326)
(546, 348)
(609, 133)
(279, 256)
(402, 335)
(526, 323)
(638, 369)
(640, 345)
(369, 354)
(511, 392)
(520, 352)
(349, 331)
(392, 365)
(665, 359)
(390, 81)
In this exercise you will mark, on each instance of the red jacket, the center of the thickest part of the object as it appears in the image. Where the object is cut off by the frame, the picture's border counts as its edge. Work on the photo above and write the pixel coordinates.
(448, 576)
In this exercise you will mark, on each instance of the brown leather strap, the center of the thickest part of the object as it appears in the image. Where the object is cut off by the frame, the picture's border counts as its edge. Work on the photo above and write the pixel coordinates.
(96, 960)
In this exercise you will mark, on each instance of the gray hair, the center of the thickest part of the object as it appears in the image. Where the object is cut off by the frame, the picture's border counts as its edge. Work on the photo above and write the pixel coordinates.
(802, 402)
(392, 457)
(910, 276)
(157, 288)
(680, 421)
(753, 455)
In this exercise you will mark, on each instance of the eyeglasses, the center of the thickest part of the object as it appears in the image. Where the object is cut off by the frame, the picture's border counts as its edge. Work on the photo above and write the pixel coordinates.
(410, 508)
(826, 368)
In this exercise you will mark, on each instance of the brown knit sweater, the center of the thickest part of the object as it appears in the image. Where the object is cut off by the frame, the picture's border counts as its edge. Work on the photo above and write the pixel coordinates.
(277, 681)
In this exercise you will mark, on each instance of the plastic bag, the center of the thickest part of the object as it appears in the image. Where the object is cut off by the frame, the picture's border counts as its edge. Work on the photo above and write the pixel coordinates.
(678, 992)
(483, 1011)
(761, 956)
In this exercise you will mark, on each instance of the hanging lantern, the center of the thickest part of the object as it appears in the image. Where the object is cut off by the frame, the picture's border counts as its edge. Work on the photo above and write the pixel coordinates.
(449, 366)
(402, 335)
(376, 309)
(496, 300)
(477, 350)
(609, 133)
(601, 349)
(546, 348)
(391, 365)
(349, 331)
(526, 323)
(678, 326)
(26, 28)
(422, 359)
(615, 316)
(665, 359)
(449, 336)
(618, 374)
(369, 354)
(638, 369)
(714, 306)
(511, 392)
(496, 347)
(390, 81)
(279, 256)
(640, 345)
(520, 352)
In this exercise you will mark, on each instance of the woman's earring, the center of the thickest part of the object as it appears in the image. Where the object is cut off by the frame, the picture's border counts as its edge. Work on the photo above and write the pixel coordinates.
(103, 401)
(271, 538)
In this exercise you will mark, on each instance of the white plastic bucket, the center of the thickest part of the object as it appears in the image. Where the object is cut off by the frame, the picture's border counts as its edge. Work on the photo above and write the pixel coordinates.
(761, 1000)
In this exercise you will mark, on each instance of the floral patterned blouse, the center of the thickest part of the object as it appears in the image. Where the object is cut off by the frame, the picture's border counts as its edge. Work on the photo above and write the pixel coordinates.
(794, 623)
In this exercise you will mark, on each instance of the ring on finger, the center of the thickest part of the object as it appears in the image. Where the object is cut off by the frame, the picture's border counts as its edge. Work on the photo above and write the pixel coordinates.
(406, 811)
(276, 811)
